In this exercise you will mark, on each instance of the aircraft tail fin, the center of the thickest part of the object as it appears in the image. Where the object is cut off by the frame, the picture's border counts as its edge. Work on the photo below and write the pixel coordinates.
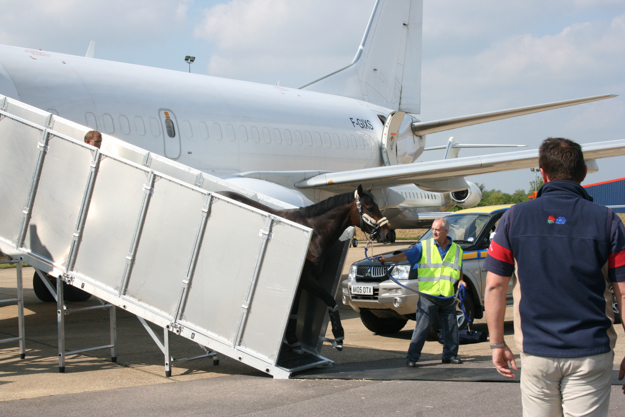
(387, 67)
(90, 50)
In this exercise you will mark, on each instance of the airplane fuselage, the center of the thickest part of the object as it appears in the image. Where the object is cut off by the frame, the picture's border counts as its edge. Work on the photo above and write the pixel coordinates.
(217, 125)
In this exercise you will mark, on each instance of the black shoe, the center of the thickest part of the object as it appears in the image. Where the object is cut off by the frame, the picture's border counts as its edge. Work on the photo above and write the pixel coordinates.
(455, 361)
(411, 364)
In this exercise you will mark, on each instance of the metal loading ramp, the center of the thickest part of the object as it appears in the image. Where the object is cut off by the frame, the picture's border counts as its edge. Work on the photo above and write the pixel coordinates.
(151, 236)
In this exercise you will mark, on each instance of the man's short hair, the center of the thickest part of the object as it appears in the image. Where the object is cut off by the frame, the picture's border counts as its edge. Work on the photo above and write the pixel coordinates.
(91, 135)
(444, 222)
(562, 159)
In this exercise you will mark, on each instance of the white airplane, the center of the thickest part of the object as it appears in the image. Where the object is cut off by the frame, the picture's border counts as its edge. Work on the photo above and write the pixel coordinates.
(354, 126)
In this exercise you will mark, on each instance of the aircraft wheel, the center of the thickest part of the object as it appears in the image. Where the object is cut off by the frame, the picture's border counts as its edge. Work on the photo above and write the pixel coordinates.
(74, 294)
(41, 291)
(70, 293)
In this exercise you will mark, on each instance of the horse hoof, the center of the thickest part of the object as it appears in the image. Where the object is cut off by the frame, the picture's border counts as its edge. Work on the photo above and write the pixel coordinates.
(295, 347)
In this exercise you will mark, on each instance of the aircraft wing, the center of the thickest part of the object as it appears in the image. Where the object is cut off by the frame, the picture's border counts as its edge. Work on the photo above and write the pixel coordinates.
(424, 128)
(447, 174)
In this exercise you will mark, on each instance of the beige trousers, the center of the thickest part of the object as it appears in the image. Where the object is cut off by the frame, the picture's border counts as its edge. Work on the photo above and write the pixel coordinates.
(566, 386)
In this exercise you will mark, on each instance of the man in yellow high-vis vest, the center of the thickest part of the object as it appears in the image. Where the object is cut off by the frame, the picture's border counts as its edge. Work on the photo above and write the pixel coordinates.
(439, 261)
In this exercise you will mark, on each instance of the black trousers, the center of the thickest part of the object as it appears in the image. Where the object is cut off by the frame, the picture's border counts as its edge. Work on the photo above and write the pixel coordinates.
(428, 309)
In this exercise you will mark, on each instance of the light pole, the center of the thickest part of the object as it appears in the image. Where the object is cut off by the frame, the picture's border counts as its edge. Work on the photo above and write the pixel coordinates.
(189, 60)
(535, 171)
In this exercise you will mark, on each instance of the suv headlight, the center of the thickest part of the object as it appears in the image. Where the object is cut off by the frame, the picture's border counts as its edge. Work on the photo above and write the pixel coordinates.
(401, 271)
(352, 273)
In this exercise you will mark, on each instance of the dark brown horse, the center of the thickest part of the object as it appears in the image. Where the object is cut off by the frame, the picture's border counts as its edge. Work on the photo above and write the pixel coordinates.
(328, 220)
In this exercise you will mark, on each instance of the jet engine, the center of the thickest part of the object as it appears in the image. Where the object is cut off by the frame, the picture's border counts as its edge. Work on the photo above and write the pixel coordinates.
(468, 198)
(399, 144)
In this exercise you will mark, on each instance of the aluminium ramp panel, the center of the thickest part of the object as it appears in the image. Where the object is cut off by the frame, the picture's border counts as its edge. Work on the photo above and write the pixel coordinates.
(199, 264)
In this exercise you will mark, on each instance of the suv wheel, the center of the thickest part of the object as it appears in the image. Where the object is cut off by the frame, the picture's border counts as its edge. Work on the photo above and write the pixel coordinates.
(469, 307)
(380, 325)
(463, 324)
(617, 314)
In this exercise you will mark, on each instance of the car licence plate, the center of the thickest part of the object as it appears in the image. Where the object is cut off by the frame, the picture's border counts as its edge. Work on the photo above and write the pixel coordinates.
(362, 289)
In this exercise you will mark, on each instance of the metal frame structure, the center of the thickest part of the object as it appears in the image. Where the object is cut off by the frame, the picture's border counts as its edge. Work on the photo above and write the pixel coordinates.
(200, 265)
(164, 347)
(62, 310)
(19, 300)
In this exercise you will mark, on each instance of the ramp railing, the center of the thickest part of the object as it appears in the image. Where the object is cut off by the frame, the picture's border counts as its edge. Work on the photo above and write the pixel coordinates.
(19, 302)
(159, 243)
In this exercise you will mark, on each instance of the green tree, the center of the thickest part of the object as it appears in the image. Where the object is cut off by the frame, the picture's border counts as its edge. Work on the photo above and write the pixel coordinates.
(536, 184)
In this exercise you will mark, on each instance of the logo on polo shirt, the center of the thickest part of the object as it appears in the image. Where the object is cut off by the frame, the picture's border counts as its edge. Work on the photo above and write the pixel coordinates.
(559, 220)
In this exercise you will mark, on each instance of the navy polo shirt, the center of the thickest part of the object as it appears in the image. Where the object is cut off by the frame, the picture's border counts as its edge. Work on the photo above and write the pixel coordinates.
(560, 244)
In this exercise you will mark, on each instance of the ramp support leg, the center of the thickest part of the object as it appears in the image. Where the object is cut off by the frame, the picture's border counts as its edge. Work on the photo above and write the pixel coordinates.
(60, 318)
(166, 352)
(113, 321)
(19, 300)
(164, 347)
(62, 311)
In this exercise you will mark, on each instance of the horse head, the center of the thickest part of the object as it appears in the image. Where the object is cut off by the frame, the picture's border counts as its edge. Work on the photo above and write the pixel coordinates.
(366, 214)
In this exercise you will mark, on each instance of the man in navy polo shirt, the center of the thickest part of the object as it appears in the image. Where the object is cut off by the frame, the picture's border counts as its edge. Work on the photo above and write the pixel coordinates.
(566, 252)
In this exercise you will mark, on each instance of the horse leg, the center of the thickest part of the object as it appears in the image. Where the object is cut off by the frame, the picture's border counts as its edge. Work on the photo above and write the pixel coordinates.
(311, 285)
(290, 336)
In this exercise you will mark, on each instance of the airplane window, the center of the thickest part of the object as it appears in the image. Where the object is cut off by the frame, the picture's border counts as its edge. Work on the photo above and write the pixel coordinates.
(230, 133)
(243, 133)
(361, 143)
(124, 124)
(344, 141)
(367, 141)
(91, 120)
(308, 138)
(187, 130)
(171, 129)
(266, 135)
(277, 137)
(109, 126)
(203, 130)
(317, 139)
(352, 142)
(287, 137)
(217, 131)
(255, 134)
(336, 142)
(298, 138)
(327, 142)
(139, 126)
(155, 127)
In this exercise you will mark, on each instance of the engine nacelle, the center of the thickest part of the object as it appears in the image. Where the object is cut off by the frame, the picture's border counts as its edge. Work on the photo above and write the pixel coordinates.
(399, 144)
(468, 198)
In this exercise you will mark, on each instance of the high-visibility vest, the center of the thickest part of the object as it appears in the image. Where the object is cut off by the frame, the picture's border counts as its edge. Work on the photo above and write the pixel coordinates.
(438, 276)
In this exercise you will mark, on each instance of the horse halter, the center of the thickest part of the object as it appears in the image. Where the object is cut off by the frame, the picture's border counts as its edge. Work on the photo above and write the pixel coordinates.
(374, 225)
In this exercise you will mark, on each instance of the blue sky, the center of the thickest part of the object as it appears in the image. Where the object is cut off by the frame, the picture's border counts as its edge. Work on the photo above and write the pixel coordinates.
(478, 56)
